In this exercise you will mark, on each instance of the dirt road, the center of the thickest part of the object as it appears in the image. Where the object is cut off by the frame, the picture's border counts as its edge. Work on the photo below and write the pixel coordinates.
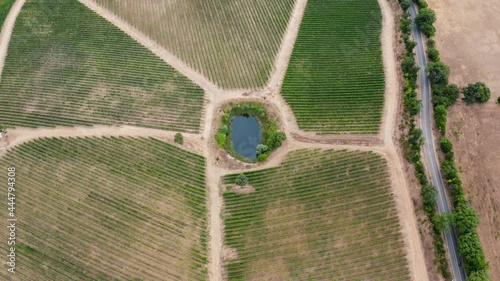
(6, 33)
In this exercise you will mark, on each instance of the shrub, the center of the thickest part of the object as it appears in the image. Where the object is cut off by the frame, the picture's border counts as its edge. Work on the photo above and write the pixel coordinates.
(449, 169)
(438, 73)
(262, 148)
(262, 157)
(478, 275)
(431, 43)
(405, 25)
(448, 94)
(446, 145)
(421, 4)
(440, 114)
(498, 100)
(178, 138)
(477, 92)
(224, 129)
(429, 195)
(275, 139)
(3, 130)
(241, 180)
(221, 139)
(425, 20)
(433, 54)
(405, 4)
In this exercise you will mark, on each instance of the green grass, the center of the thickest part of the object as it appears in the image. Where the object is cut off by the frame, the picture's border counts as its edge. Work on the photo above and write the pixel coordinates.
(335, 80)
(5, 6)
(68, 66)
(107, 209)
(321, 215)
(233, 43)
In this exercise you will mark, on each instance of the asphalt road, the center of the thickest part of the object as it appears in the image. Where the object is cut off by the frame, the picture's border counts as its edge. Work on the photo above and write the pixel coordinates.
(430, 151)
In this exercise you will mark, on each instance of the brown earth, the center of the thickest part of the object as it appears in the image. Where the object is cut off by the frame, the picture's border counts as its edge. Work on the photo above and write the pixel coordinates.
(468, 38)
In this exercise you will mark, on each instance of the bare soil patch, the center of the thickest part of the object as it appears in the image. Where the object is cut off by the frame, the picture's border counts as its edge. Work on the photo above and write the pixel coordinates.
(475, 133)
(468, 39)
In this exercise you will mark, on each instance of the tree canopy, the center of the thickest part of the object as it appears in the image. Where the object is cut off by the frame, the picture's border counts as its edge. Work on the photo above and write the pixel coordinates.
(477, 92)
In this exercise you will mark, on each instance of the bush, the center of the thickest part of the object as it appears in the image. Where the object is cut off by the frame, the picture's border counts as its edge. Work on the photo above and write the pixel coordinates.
(262, 157)
(178, 138)
(446, 145)
(449, 169)
(425, 20)
(433, 54)
(438, 73)
(478, 275)
(224, 129)
(477, 92)
(446, 95)
(429, 195)
(3, 130)
(421, 3)
(498, 100)
(431, 43)
(262, 148)
(408, 65)
(275, 139)
(241, 180)
(405, 25)
(221, 139)
(405, 4)
(440, 114)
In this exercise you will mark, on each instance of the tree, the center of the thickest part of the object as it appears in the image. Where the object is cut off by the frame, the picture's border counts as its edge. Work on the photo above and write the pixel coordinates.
(477, 92)
(405, 4)
(275, 139)
(224, 129)
(441, 222)
(440, 114)
(262, 148)
(446, 145)
(433, 54)
(450, 94)
(241, 180)
(425, 20)
(178, 138)
(471, 250)
(449, 170)
(498, 100)
(438, 73)
(464, 217)
(478, 275)
(429, 196)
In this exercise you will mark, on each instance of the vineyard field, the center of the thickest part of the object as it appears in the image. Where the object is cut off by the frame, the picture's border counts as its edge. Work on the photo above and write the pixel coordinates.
(335, 79)
(107, 209)
(5, 6)
(68, 66)
(321, 215)
(233, 43)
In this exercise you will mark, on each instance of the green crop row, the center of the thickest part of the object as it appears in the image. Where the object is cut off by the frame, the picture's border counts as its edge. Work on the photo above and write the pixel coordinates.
(335, 80)
(233, 43)
(108, 209)
(321, 215)
(68, 66)
(5, 6)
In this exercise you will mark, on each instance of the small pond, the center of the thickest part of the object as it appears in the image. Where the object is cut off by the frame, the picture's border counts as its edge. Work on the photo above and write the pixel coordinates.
(245, 136)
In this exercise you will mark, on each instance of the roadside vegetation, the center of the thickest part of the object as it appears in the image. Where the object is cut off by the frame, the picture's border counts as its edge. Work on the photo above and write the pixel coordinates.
(108, 209)
(68, 66)
(233, 43)
(5, 6)
(464, 217)
(271, 136)
(318, 216)
(413, 141)
(335, 79)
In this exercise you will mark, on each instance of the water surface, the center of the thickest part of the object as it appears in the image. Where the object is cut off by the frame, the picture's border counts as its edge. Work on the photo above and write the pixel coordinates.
(245, 135)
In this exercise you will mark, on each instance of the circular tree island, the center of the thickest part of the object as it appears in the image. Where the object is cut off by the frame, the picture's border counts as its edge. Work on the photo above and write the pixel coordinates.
(248, 133)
